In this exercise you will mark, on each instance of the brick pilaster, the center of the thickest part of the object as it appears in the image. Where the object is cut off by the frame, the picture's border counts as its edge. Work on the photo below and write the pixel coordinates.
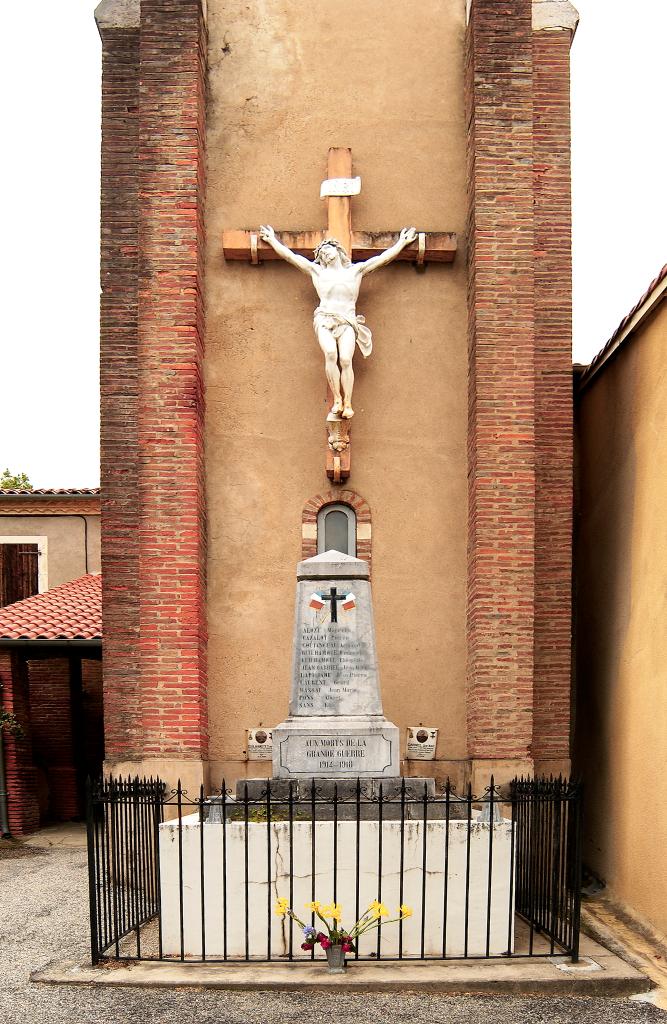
(119, 446)
(172, 650)
(501, 446)
(553, 392)
(153, 547)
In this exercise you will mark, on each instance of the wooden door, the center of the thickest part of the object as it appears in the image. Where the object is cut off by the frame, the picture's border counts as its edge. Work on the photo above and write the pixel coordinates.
(19, 572)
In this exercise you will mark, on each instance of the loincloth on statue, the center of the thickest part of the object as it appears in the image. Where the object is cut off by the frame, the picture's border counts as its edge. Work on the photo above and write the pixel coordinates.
(336, 324)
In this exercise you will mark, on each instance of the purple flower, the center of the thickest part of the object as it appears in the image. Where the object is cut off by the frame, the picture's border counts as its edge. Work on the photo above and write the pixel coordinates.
(310, 933)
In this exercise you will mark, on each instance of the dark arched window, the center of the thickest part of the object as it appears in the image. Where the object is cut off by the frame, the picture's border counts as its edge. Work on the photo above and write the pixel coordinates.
(337, 529)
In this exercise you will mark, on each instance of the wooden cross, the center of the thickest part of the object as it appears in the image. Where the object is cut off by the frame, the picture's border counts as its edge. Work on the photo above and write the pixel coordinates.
(430, 246)
(338, 189)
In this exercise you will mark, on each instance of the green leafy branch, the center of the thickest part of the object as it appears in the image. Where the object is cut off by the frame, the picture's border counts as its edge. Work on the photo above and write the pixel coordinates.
(14, 481)
(10, 723)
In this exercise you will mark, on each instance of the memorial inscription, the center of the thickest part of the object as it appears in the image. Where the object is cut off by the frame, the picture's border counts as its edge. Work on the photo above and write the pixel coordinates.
(333, 663)
(347, 754)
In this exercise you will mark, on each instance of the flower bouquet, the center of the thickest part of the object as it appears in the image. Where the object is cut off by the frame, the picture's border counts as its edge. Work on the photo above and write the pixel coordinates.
(337, 940)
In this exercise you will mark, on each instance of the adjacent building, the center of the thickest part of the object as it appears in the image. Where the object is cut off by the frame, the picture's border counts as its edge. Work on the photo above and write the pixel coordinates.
(50, 654)
(621, 607)
(47, 537)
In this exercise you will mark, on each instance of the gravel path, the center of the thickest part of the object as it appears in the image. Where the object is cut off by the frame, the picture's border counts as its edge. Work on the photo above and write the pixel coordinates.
(43, 913)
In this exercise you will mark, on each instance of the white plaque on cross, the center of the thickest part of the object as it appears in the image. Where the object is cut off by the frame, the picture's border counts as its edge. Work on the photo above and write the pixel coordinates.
(340, 187)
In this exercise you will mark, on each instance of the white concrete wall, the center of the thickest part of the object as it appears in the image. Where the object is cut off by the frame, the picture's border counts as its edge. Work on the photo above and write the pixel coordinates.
(268, 877)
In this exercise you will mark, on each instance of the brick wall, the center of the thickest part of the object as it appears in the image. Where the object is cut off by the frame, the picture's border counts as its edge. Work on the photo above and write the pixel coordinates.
(52, 736)
(41, 767)
(152, 350)
(23, 809)
(501, 444)
(553, 394)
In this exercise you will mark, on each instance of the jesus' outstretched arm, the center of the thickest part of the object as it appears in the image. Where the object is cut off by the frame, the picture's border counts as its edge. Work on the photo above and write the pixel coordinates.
(267, 234)
(406, 236)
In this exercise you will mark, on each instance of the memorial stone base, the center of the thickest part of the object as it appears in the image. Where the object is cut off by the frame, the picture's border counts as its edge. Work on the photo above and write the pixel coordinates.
(245, 867)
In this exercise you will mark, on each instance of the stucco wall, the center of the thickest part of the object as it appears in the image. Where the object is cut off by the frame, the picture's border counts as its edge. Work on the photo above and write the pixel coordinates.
(621, 745)
(65, 542)
(287, 81)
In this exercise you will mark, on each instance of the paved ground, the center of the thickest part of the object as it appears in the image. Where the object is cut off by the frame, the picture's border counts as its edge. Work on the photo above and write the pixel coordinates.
(43, 907)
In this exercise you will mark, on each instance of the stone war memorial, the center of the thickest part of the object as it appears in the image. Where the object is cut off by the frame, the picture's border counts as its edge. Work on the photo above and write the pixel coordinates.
(335, 726)
(372, 740)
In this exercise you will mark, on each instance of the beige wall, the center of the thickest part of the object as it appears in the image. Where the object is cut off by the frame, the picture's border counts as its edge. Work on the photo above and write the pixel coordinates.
(385, 78)
(622, 614)
(65, 543)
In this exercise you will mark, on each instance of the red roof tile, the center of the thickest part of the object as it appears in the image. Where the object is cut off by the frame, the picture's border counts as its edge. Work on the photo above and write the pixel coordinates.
(72, 611)
(75, 492)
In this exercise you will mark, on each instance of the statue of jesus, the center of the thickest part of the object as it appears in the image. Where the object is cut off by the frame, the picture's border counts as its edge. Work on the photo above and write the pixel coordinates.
(337, 326)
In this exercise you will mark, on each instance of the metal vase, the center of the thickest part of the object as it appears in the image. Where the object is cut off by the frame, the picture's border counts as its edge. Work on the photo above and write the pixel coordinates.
(336, 960)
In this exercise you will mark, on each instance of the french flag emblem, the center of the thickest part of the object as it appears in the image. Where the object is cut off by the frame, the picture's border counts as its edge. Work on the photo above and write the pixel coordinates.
(349, 603)
(316, 602)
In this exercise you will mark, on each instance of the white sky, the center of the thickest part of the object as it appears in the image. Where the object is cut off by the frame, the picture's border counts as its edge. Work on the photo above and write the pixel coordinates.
(50, 81)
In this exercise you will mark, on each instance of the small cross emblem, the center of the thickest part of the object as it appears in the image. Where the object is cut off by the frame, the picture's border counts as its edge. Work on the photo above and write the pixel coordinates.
(333, 597)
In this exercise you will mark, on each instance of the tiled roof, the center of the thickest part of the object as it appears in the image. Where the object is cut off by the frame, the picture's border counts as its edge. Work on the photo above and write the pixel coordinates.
(72, 611)
(622, 332)
(49, 491)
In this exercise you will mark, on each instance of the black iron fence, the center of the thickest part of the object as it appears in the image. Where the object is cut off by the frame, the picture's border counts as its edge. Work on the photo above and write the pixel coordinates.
(176, 877)
(123, 819)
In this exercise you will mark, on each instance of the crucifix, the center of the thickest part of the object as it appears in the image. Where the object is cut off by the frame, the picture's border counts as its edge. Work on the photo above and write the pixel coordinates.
(336, 261)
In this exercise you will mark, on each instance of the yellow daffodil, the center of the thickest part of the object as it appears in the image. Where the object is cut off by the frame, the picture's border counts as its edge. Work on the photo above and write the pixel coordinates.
(378, 910)
(314, 906)
(333, 910)
(406, 911)
(281, 906)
